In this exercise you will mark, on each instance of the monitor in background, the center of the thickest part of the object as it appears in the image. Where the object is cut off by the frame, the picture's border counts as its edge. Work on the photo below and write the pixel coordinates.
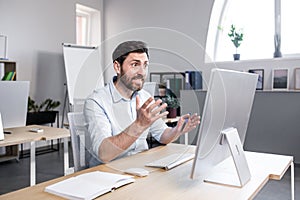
(13, 106)
(223, 128)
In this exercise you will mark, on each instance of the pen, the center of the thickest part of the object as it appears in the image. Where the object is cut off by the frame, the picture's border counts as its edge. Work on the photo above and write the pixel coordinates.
(185, 121)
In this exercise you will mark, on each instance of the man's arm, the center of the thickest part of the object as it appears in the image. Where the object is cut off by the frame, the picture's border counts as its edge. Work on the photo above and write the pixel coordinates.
(148, 113)
(185, 124)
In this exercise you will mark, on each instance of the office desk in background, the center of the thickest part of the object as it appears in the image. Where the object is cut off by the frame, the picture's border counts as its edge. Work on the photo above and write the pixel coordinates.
(171, 120)
(175, 183)
(22, 135)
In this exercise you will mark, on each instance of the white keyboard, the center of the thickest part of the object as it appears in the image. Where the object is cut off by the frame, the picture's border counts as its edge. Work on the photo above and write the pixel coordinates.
(171, 161)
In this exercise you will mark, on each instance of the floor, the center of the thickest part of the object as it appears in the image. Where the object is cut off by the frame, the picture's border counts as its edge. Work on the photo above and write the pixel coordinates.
(15, 175)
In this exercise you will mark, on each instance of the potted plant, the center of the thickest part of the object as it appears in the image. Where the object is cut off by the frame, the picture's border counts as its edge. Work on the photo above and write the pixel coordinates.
(277, 43)
(236, 38)
(43, 113)
(173, 105)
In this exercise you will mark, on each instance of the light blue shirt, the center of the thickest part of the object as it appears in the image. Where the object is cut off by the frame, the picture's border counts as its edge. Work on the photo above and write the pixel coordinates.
(107, 113)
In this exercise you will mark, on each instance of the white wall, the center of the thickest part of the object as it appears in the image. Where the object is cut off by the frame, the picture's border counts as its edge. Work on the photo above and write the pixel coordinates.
(176, 32)
(36, 30)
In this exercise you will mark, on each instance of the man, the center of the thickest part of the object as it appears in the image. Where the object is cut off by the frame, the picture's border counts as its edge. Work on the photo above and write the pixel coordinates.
(121, 114)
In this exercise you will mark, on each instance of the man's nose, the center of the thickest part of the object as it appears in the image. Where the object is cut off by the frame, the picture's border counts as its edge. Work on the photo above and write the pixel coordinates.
(142, 69)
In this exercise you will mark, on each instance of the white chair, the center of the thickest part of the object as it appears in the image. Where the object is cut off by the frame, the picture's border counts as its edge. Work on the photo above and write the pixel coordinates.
(78, 105)
(78, 131)
(151, 87)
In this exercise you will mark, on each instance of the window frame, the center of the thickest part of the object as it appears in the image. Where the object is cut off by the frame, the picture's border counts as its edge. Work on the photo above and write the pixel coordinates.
(93, 25)
(218, 14)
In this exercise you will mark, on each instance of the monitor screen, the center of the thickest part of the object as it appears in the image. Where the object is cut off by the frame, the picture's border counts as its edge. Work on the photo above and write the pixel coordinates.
(13, 106)
(228, 104)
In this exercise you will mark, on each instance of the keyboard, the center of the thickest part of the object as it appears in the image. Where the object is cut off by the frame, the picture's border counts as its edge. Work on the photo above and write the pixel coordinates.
(171, 161)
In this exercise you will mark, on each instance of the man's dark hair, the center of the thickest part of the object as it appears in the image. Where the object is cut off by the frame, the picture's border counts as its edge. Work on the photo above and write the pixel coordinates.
(125, 48)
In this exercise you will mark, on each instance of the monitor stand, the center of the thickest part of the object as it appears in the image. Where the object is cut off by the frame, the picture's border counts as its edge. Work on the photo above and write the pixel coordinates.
(231, 172)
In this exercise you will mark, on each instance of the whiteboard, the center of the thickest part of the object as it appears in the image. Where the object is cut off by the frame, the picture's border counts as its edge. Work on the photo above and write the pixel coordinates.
(83, 70)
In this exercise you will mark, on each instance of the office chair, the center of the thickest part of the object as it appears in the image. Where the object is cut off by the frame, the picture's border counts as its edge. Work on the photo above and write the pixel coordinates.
(78, 105)
(151, 87)
(78, 131)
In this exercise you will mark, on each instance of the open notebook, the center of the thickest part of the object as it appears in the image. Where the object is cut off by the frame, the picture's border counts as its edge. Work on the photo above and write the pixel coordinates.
(171, 161)
(89, 185)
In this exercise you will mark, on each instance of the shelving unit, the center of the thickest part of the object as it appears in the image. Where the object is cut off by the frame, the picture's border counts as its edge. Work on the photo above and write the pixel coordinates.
(11, 152)
(9, 66)
(172, 80)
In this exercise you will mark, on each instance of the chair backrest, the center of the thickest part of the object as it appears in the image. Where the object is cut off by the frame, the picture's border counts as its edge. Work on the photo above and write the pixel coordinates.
(151, 87)
(78, 131)
(78, 105)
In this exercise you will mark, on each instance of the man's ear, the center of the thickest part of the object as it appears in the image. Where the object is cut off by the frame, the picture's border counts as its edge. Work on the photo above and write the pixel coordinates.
(117, 67)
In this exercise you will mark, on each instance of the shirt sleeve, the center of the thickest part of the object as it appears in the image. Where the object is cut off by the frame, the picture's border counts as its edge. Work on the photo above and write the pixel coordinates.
(98, 124)
(157, 128)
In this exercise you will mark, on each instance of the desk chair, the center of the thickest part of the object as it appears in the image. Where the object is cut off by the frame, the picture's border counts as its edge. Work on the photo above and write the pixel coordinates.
(78, 105)
(78, 131)
(151, 87)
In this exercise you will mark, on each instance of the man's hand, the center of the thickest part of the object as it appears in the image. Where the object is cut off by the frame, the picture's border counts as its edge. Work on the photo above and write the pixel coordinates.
(149, 112)
(187, 123)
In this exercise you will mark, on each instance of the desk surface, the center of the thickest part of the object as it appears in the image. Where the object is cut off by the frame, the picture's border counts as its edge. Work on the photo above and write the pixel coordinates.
(175, 183)
(22, 135)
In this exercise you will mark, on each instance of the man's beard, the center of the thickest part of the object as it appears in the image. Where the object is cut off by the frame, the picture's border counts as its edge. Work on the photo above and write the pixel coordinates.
(128, 82)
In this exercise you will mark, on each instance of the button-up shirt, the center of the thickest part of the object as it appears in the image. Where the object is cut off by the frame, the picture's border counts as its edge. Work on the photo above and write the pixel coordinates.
(107, 114)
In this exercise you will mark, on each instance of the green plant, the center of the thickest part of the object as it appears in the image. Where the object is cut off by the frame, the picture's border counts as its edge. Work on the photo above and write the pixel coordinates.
(47, 105)
(236, 36)
(172, 101)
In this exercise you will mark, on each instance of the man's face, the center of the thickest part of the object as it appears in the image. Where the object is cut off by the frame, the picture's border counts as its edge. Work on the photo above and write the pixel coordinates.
(134, 71)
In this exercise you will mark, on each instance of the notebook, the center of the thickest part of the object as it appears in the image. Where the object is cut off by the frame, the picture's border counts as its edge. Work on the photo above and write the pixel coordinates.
(171, 161)
(89, 185)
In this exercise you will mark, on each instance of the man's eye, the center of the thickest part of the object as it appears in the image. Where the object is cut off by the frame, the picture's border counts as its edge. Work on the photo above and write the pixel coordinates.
(134, 64)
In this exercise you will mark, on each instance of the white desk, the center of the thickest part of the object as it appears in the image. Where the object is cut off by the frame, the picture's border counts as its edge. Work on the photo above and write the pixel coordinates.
(22, 135)
(175, 183)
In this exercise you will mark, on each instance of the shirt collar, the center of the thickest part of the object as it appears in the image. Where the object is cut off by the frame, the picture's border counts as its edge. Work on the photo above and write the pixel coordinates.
(116, 94)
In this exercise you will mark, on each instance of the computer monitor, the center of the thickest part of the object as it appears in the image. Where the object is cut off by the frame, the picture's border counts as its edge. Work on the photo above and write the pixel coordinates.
(226, 110)
(13, 106)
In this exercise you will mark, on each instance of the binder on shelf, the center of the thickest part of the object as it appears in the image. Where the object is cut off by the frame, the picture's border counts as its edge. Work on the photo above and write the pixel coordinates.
(176, 85)
(193, 80)
(13, 76)
(9, 76)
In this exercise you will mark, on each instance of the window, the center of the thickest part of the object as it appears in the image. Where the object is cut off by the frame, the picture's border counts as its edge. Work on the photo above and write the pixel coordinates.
(256, 18)
(87, 26)
(290, 29)
(82, 28)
